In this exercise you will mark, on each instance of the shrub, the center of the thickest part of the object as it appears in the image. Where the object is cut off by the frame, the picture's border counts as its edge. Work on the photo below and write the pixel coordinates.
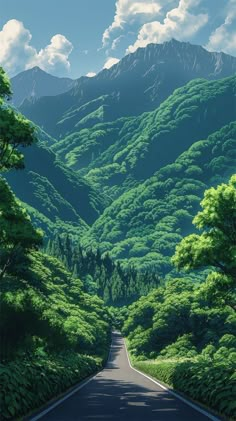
(209, 381)
(30, 382)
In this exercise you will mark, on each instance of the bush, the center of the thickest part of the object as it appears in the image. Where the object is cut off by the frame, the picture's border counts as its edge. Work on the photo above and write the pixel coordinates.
(209, 381)
(30, 382)
(162, 370)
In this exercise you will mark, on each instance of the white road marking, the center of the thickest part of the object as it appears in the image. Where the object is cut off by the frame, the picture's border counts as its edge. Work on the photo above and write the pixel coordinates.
(54, 405)
(79, 387)
(207, 414)
(68, 395)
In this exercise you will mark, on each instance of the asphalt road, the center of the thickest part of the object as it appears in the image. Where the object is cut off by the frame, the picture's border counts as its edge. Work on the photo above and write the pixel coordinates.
(121, 393)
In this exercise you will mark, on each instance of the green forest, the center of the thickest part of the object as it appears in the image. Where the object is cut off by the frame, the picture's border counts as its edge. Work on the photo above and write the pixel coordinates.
(126, 224)
(52, 332)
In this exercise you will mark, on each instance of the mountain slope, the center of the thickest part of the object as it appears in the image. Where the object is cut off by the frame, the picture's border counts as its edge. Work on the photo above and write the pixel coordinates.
(116, 156)
(138, 83)
(34, 83)
(54, 191)
(146, 222)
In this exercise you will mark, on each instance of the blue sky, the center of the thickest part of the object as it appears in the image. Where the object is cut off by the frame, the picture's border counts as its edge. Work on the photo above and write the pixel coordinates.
(80, 37)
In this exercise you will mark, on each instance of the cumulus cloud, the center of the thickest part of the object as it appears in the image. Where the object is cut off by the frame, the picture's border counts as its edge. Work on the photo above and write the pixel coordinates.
(110, 62)
(54, 57)
(131, 10)
(91, 74)
(223, 38)
(17, 54)
(179, 23)
(15, 48)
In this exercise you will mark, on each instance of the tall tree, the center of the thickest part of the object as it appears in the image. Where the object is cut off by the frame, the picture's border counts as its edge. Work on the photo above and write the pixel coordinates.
(216, 245)
(17, 235)
(15, 130)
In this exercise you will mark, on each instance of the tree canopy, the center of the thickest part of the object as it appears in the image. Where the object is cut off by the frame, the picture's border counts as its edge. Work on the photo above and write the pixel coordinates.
(15, 130)
(216, 245)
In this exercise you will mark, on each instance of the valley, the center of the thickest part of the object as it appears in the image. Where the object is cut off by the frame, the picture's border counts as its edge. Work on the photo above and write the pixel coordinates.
(118, 212)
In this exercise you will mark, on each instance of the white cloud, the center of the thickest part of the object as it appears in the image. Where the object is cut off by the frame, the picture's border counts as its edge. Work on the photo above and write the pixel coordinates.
(116, 42)
(223, 38)
(91, 74)
(15, 50)
(54, 57)
(128, 10)
(179, 23)
(110, 62)
(16, 53)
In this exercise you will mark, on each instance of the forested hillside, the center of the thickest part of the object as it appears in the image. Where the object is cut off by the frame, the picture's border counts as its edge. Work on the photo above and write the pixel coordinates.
(52, 333)
(129, 150)
(184, 333)
(117, 157)
(55, 191)
(98, 192)
(145, 223)
(101, 275)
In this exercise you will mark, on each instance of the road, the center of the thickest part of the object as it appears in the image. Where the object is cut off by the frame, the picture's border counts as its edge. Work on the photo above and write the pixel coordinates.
(121, 393)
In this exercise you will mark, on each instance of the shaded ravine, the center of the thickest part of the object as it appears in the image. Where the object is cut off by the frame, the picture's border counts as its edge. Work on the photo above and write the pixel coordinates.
(121, 393)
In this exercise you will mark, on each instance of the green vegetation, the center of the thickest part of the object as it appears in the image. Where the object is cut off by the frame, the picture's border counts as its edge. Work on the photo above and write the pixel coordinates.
(51, 331)
(115, 198)
(30, 381)
(100, 274)
(209, 380)
(54, 190)
(17, 234)
(140, 82)
(15, 130)
(116, 155)
(190, 329)
(134, 184)
(143, 226)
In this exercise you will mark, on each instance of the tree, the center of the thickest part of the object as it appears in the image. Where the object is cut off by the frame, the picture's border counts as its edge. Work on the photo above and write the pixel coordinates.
(15, 130)
(17, 235)
(216, 245)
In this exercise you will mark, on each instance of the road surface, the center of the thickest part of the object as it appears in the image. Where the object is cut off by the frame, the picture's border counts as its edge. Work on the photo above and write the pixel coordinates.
(121, 393)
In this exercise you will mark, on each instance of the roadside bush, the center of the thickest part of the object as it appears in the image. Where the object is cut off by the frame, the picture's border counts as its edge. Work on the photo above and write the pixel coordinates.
(208, 381)
(26, 383)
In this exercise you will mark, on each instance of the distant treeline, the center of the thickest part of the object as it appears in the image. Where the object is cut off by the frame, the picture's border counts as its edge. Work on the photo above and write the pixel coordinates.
(100, 274)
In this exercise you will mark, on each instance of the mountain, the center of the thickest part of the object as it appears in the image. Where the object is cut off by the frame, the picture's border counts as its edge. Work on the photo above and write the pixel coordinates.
(143, 226)
(132, 184)
(138, 83)
(34, 83)
(56, 196)
(118, 155)
(156, 168)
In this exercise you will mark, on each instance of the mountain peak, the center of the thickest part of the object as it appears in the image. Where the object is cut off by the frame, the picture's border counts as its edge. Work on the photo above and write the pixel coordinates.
(37, 69)
(138, 83)
(35, 83)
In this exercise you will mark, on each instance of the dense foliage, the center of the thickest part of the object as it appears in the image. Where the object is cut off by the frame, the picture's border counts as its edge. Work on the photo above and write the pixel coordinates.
(208, 379)
(100, 274)
(48, 323)
(190, 329)
(145, 223)
(140, 179)
(17, 234)
(15, 130)
(54, 190)
(119, 154)
(180, 318)
(32, 380)
(122, 189)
